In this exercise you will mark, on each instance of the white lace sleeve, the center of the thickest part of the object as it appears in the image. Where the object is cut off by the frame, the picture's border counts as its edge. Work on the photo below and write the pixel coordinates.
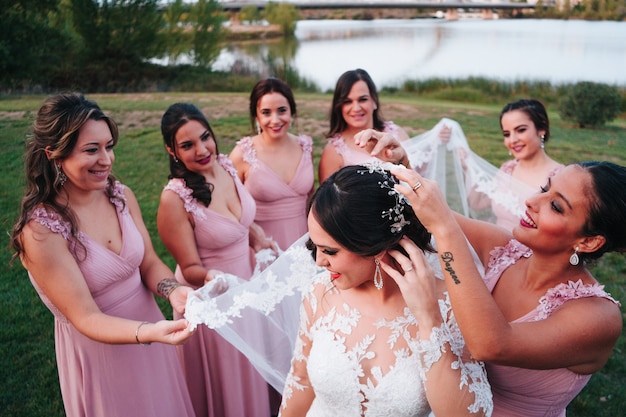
(448, 338)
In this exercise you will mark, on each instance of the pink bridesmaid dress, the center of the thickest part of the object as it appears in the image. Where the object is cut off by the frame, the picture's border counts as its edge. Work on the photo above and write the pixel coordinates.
(521, 392)
(280, 206)
(221, 381)
(99, 379)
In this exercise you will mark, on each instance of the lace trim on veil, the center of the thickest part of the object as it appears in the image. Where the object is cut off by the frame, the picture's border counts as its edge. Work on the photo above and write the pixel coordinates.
(259, 317)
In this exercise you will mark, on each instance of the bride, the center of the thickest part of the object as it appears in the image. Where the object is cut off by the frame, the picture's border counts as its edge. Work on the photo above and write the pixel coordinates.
(261, 318)
(359, 348)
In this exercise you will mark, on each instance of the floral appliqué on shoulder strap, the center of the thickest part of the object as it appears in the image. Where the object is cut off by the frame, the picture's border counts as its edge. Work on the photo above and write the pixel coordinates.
(555, 297)
(249, 153)
(306, 142)
(502, 257)
(53, 220)
(179, 186)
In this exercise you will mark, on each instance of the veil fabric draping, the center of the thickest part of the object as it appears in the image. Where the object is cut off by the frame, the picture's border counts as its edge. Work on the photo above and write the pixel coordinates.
(260, 317)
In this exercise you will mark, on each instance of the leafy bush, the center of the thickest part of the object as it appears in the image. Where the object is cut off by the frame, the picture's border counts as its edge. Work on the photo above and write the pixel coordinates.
(591, 104)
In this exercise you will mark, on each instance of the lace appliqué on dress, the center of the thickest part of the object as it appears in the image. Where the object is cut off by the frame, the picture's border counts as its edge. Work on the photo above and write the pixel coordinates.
(249, 153)
(502, 257)
(473, 373)
(555, 297)
(53, 221)
(178, 186)
(335, 368)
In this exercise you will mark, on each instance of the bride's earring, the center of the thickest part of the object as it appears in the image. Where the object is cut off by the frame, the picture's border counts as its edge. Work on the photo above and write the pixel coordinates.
(574, 259)
(258, 128)
(543, 139)
(378, 276)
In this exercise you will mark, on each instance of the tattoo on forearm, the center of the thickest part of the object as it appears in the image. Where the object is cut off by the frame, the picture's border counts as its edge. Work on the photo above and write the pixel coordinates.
(166, 286)
(447, 258)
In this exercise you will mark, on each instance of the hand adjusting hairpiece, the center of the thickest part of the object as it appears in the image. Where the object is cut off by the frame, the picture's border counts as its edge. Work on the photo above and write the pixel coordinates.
(395, 213)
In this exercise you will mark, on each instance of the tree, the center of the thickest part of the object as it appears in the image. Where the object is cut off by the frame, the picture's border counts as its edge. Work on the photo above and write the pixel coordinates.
(119, 30)
(33, 44)
(176, 41)
(283, 14)
(206, 20)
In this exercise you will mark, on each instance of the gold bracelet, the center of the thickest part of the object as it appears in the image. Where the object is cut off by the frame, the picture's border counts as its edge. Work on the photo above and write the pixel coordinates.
(137, 334)
(166, 286)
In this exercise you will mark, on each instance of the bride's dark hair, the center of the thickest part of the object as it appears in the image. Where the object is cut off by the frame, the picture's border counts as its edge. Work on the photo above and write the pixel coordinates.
(350, 207)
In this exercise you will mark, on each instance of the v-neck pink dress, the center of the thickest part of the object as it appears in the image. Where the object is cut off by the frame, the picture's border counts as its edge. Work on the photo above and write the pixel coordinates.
(519, 392)
(221, 381)
(280, 206)
(99, 379)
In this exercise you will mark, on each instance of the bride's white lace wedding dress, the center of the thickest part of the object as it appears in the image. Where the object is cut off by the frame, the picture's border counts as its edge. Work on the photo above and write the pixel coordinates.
(360, 362)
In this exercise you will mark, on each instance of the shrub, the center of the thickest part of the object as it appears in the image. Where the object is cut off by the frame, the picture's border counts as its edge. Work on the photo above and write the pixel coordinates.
(591, 104)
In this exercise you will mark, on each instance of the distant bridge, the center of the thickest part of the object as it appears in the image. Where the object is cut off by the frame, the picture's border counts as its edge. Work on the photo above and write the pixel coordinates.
(450, 7)
(311, 5)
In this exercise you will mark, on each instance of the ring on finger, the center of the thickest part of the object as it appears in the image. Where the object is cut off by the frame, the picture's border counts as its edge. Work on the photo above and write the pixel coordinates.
(416, 186)
(409, 268)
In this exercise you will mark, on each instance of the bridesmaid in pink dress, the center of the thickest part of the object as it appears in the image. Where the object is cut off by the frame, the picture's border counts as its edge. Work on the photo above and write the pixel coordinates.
(205, 220)
(542, 323)
(275, 166)
(88, 254)
(526, 130)
(355, 108)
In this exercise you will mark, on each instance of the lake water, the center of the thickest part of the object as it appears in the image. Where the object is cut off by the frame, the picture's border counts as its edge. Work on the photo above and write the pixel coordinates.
(394, 51)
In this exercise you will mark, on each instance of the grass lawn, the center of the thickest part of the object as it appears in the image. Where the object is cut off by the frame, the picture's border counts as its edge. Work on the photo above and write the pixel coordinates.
(27, 362)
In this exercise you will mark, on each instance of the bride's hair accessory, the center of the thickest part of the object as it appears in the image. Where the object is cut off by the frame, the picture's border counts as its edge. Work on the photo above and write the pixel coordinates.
(395, 213)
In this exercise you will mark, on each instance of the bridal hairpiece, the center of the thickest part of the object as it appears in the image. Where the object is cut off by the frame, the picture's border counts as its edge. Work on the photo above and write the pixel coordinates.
(395, 213)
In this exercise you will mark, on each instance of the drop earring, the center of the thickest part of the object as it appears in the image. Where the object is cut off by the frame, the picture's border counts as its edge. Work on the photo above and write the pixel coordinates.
(61, 177)
(543, 139)
(258, 128)
(574, 259)
(378, 276)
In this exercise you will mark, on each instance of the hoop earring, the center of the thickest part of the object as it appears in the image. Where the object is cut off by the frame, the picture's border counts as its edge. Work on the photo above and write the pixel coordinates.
(574, 259)
(378, 276)
(61, 177)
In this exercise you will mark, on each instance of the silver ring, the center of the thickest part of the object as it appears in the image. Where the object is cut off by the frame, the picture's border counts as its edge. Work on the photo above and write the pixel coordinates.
(410, 268)
(416, 186)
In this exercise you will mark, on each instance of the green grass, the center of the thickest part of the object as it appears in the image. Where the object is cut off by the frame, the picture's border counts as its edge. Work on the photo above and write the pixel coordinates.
(27, 361)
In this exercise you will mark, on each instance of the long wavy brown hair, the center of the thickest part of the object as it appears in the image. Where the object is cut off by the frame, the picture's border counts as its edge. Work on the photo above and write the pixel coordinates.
(55, 133)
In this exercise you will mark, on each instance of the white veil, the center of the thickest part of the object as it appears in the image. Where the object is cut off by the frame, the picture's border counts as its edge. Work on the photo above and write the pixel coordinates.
(472, 186)
(260, 317)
